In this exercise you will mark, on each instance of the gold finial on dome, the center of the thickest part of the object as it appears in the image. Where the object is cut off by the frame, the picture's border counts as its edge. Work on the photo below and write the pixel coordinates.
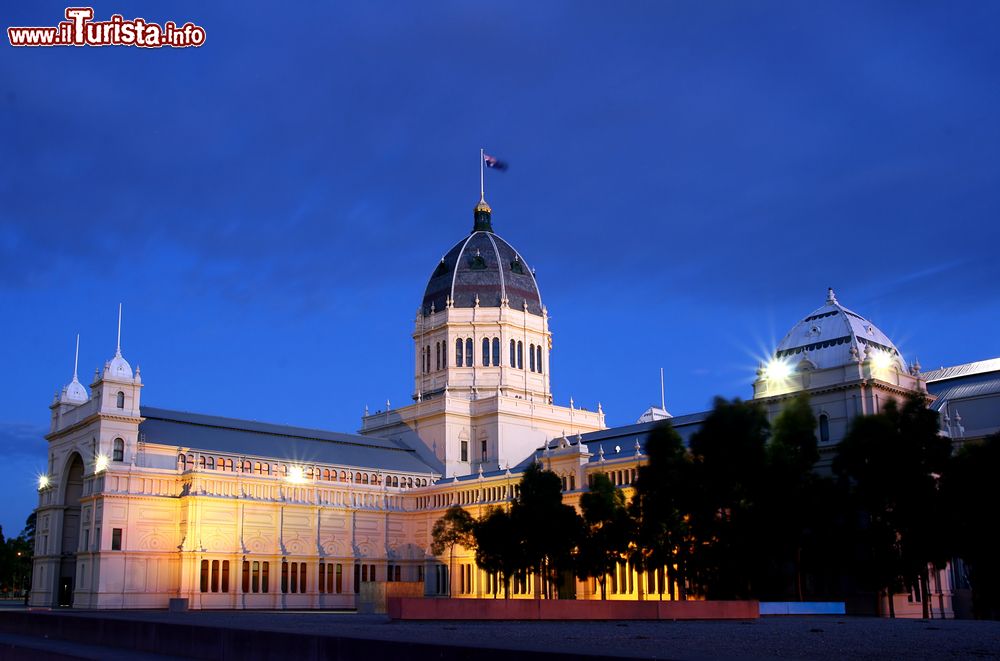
(483, 206)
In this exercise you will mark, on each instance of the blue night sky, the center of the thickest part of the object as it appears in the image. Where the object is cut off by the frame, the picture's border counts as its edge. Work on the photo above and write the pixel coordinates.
(686, 177)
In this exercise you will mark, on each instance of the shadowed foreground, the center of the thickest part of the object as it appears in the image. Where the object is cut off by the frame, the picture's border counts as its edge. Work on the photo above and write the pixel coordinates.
(259, 635)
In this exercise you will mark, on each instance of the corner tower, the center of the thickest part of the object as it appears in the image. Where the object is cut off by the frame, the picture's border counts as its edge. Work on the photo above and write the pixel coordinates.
(481, 395)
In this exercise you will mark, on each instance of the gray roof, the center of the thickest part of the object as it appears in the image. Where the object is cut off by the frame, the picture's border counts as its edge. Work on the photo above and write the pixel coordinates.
(968, 369)
(482, 265)
(964, 390)
(297, 444)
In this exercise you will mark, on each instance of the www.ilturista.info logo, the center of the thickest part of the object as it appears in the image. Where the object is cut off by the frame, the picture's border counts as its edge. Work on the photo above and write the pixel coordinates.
(79, 29)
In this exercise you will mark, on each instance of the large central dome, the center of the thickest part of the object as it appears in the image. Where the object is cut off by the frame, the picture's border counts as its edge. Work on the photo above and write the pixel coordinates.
(482, 269)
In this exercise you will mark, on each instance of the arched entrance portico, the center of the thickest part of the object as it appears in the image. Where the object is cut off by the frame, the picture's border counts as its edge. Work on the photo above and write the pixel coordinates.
(70, 540)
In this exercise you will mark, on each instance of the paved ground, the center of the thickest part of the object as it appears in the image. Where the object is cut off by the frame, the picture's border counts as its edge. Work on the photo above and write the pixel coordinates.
(767, 638)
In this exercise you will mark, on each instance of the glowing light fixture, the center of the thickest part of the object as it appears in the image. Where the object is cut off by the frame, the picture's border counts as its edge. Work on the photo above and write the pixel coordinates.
(882, 360)
(43, 482)
(777, 370)
(101, 463)
(296, 475)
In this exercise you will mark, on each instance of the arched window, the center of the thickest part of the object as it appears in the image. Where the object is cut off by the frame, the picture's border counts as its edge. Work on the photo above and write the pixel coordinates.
(437, 355)
(357, 478)
(458, 352)
(118, 450)
(210, 464)
(201, 462)
(121, 399)
(364, 478)
(496, 352)
(531, 357)
(468, 352)
(444, 354)
(486, 352)
(182, 462)
(824, 428)
(538, 359)
(246, 466)
(513, 353)
(343, 476)
(229, 465)
(520, 356)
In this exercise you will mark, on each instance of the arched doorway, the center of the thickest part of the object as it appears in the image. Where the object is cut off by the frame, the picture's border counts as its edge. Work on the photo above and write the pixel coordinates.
(70, 540)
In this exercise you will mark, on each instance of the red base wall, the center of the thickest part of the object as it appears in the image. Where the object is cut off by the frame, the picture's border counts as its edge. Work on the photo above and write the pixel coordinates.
(404, 608)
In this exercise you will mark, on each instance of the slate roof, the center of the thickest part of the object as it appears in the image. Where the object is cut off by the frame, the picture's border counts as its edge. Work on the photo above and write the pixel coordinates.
(283, 442)
(966, 370)
(963, 390)
(482, 265)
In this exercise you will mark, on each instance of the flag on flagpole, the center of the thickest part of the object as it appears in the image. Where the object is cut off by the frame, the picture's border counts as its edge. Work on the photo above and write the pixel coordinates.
(493, 162)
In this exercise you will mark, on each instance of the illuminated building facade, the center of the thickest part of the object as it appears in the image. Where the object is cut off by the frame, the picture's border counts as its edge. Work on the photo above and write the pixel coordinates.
(141, 505)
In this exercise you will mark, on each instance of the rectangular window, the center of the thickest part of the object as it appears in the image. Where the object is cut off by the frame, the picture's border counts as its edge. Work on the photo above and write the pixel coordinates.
(420, 573)
(97, 540)
(215, 576)
(398, 572)
(302, 577)
(295, 577)
(225, 576)
(284, 577)
(388, 572)
(255, 583)
(204, 575)
(357, 578)
(116, 539)
(246, 576)
(322, 576)
(263, 578)
(340, 578)
(465, 450)
(86, 540)
(484, 449)
(364, 573)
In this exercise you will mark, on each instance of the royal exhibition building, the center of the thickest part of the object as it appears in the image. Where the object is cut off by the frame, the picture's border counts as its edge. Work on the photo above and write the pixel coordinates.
(141, 505)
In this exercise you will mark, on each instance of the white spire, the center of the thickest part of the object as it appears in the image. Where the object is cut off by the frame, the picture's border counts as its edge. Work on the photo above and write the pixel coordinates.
(118, 367)
(482, 176)
(75, 393)
(118, 351)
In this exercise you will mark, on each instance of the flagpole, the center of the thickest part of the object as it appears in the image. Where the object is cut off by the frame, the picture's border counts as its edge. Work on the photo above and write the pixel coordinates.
(482, 177)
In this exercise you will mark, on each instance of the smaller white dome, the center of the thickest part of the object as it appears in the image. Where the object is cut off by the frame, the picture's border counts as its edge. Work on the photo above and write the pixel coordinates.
(74, 393)
(118, 368)
(832, 336)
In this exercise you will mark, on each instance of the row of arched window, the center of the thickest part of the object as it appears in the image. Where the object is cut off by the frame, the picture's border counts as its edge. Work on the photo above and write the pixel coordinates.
(204, 462)
(437, 356)
(440, 353)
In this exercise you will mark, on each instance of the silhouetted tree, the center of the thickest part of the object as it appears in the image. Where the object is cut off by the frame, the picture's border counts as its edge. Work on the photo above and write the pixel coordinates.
(454, 528)
(550, 531)
(606, 531)
(973, 502)
(785, 499)
(498, 546)
(660, 508)
(729, 453)
(894, 460)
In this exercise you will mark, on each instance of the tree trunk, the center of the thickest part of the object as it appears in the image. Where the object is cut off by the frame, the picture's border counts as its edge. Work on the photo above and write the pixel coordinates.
(925, 594)
(798, 571)
(603, 582)
(451, 566)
